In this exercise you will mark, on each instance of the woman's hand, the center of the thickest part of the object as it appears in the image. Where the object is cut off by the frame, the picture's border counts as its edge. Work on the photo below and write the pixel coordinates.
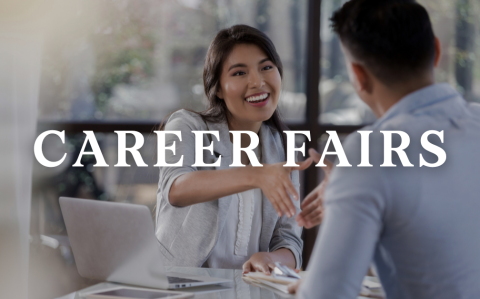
(274, 180)
(259, 262)
(265, 261)
(312, 206)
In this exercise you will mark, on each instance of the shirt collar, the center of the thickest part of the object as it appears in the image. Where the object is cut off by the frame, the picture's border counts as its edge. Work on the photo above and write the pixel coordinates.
(421, 98)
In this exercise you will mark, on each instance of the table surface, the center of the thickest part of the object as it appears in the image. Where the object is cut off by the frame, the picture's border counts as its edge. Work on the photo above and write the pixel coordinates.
(238, 289)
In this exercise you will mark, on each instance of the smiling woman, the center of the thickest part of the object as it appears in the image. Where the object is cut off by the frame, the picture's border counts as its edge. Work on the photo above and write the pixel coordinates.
(250, 86)
(224, 217)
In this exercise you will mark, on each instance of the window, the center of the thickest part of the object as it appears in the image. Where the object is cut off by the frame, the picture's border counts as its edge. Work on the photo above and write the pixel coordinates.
(141, 60)
(454, 24)
(125, 65)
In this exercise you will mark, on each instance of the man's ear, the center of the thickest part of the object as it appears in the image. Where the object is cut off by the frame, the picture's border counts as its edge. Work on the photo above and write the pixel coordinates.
(362, 77)
(438, 52)
(220, 93)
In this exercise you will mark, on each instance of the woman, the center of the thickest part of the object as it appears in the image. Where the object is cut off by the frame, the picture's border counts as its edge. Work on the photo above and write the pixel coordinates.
(225, 217)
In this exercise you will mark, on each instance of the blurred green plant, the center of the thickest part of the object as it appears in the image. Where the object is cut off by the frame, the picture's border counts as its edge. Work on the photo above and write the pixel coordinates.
(124, 50)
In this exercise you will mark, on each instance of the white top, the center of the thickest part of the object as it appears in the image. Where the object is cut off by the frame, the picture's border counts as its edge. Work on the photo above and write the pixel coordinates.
(187, 235)
(240, 237)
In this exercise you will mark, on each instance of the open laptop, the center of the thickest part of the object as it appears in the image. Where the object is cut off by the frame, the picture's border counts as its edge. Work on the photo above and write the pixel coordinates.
(116, 242)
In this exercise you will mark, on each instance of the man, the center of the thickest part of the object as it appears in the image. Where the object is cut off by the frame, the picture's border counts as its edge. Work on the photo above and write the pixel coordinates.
(417, 221)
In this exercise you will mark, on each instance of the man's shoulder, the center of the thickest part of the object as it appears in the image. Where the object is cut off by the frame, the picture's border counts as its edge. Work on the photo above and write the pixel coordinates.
(400, 122)
(474, 109)
(353, 141)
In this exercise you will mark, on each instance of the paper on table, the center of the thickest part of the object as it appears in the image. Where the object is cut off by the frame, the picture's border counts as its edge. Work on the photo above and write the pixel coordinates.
(371, 287)
(271, 278)
(262, 283)
(370, 284)
(278, 283)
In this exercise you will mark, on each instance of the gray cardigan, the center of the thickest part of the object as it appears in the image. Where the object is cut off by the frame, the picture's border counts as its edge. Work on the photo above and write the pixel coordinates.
(187, 235)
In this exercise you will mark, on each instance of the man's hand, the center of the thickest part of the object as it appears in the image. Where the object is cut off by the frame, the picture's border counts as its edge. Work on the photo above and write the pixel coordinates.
(312, 205)
(259, 262)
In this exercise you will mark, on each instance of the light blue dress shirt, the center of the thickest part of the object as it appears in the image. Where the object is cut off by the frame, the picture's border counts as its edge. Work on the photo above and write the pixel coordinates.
(419, 225)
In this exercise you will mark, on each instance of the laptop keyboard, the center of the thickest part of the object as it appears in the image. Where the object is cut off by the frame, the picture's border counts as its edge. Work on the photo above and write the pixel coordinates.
(172, 279)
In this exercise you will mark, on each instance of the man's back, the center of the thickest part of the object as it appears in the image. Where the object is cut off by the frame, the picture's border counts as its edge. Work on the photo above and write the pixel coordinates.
(419, 224)
(430, 228)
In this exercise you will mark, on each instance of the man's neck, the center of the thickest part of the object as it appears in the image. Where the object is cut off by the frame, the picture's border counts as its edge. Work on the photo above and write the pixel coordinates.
(386, 96)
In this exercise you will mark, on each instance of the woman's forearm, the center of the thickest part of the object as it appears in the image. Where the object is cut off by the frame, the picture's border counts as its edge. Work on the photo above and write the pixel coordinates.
(207, 185)
(284, 256)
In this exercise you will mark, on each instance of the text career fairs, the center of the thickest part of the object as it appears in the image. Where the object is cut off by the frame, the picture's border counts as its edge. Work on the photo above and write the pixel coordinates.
(236, 141)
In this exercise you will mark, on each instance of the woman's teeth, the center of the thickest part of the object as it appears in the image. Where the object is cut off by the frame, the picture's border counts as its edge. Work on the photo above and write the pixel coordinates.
(258, 98)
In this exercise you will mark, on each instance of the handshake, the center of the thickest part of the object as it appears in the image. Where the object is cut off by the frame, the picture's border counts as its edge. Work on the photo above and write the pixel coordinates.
(312, 206)
(274, 180)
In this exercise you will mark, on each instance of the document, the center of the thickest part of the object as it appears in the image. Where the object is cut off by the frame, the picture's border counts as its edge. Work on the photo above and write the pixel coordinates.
(371, 287)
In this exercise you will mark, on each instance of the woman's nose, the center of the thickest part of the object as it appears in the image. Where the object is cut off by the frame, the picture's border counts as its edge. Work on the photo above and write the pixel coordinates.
(255, 80)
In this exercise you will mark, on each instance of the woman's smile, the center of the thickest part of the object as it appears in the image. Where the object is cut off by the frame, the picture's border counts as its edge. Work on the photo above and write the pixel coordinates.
(258, 100)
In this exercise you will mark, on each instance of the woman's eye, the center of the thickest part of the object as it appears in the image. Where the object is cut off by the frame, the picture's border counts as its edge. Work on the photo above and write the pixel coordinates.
(268, 67)
(239, 73)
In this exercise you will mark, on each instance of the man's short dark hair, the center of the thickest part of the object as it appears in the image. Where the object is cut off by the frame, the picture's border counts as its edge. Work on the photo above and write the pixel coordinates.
(392, 38)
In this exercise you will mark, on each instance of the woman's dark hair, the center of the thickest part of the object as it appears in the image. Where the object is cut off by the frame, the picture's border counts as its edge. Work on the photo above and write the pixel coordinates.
(220, 48)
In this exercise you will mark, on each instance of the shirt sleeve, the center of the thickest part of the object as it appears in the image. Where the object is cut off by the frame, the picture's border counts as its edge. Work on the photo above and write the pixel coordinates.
(169, 218)
(354, 205)
(287, 233)
(182, 122)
